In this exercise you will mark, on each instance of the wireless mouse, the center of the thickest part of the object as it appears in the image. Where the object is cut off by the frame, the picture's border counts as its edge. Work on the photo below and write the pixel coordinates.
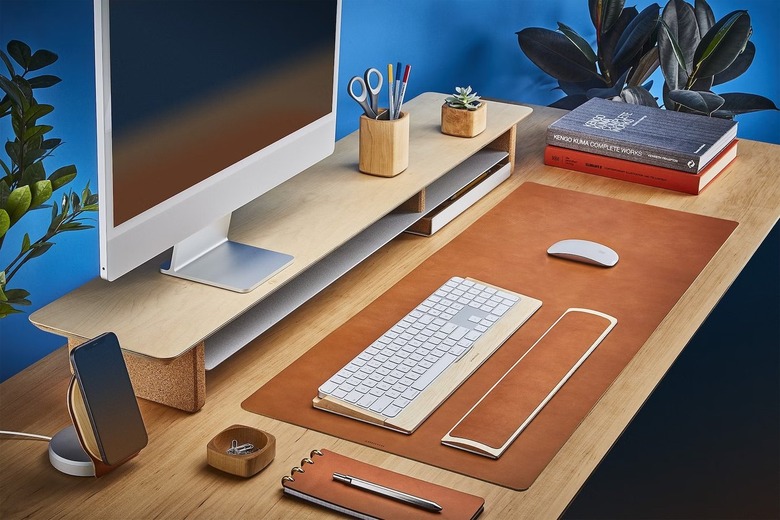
(584, 251)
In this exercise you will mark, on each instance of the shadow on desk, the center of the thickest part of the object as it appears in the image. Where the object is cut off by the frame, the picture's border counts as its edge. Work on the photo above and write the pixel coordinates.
(704, 445)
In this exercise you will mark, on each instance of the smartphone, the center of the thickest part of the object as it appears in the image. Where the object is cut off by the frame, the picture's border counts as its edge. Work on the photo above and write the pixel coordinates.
(109, 398)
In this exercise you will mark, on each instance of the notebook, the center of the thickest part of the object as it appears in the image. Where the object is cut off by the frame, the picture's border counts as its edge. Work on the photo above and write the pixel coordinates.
(313, 481)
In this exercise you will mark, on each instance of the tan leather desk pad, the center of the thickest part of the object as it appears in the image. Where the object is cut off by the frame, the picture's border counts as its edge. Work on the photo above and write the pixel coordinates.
(661, 253)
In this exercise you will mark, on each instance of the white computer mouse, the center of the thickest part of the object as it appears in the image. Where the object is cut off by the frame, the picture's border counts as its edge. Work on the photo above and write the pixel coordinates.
(585, 251)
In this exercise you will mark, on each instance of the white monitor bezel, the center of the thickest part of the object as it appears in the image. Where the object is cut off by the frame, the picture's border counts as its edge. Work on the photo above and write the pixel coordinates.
(143, 237)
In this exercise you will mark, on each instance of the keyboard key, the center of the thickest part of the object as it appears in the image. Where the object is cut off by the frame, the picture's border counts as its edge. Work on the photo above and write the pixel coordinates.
(434, 371)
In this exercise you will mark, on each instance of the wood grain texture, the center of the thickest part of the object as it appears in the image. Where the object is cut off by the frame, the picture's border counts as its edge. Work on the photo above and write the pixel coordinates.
(170, 478)
(308, 217)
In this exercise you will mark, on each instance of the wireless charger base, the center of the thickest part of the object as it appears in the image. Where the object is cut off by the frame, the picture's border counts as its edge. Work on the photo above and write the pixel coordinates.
(67, 455)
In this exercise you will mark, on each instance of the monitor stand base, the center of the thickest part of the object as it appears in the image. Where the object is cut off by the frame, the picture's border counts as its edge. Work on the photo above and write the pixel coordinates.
(208, 257)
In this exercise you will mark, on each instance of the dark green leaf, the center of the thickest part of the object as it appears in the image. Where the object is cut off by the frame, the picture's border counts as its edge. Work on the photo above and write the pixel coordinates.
(740, 103)
(44, 81)
(39, 249)
(8, 64)
(26, 90)
(36, 131)
(644, 68)
(5, 106)
(13, 91)
(25, 243)
(20, 52)
(75, 202)
(609, 92)
(604, 14)
(42, 58)
(581, 87)
(51, 144)
(16, 295)
(677, 41)
(74, 226)
(740, 65)
(7, 310)
(638, 96)
(65, 204)
(32, 154)
(32, 174)
(722, 44)
(570, 102)
(579, 41)
(705, 19)
(702, 84)
(702, 102)
(555, 54)
(608, 44)
(12, 148)
(36, 112)
(62, 176)
(636, 34)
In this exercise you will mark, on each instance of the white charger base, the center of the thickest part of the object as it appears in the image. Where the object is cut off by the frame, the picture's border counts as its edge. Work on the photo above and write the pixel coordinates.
(67, 455)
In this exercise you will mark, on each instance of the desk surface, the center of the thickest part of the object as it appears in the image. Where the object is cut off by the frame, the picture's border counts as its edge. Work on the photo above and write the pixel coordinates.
(170, 477)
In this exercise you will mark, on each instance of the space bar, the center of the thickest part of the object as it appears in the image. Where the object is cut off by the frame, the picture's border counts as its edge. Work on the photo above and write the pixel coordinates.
(432, 373)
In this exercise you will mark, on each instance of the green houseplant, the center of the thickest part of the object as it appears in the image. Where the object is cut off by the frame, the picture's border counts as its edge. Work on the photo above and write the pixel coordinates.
(463, 113)
(25, 184)
(694, 51)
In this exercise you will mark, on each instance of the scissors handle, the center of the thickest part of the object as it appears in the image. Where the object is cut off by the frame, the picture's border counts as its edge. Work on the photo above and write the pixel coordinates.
(373, 92)
(362, 98)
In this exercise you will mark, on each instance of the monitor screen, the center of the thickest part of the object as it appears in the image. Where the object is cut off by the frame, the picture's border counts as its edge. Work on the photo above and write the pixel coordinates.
(195, 100)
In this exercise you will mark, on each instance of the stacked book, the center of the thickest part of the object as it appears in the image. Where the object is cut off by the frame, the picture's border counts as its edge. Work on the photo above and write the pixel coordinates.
(673, 150)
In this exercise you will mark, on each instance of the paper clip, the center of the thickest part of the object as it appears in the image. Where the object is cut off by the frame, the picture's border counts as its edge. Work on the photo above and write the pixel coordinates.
(240, 449)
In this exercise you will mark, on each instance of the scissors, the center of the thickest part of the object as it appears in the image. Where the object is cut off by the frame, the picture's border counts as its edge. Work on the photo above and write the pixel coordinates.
(369, 96)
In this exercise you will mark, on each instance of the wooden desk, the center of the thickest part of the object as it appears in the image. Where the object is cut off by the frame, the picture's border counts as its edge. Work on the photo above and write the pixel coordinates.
(170, 478)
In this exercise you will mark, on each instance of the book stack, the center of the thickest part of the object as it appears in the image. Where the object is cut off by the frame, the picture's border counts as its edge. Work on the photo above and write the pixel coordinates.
(663, 148)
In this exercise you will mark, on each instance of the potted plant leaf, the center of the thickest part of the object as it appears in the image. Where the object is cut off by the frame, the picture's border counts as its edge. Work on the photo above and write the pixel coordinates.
(463, 113)
(694, 51)
(25, 184)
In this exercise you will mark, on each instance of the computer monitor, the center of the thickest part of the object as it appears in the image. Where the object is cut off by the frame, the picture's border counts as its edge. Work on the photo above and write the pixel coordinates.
(203, 106)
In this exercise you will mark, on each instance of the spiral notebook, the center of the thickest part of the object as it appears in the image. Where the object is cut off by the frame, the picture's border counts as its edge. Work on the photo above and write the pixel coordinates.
(313, 481)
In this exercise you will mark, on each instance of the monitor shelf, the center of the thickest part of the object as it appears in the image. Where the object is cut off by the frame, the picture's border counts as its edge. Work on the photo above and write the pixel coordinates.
(330, 218)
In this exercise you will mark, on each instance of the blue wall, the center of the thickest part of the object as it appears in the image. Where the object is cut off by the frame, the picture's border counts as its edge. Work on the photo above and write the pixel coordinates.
(448, 43)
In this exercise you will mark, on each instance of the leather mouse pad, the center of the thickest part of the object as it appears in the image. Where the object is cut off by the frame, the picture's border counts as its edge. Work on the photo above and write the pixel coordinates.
(661, 253)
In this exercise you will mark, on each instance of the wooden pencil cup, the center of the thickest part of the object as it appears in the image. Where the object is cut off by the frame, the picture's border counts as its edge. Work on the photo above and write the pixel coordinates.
(384, 145)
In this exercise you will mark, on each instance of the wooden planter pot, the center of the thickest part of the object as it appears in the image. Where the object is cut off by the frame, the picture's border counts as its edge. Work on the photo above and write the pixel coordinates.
(463, 123)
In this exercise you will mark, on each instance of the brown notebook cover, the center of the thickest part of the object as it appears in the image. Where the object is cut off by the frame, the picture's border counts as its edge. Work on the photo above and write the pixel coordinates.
(661, 253)
(315, 483)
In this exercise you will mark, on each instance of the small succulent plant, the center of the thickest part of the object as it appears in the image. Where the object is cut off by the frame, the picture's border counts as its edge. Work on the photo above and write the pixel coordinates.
(463, 99)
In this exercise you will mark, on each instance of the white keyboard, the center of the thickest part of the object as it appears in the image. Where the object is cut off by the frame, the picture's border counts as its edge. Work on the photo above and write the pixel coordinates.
(403, 376)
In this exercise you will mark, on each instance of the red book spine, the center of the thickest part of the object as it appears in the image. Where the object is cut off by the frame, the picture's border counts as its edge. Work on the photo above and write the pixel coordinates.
(640, 173)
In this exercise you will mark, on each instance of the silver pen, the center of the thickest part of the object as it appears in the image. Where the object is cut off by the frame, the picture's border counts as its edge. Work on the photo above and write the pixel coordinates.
(387, 492)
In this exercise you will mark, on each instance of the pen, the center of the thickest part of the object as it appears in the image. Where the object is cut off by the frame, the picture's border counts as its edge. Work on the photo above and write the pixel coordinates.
(397, 88)
(390, 89)
(387, 492)
(400, 97)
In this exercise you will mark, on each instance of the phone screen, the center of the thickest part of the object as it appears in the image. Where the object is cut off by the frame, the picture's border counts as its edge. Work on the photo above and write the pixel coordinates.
(109, 398)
